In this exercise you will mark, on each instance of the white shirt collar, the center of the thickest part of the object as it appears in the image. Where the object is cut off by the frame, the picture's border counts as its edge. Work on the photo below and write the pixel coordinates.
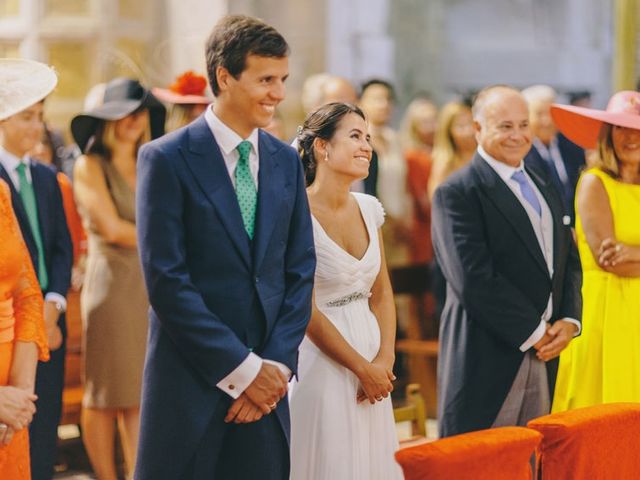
(544, 149)
(227, 139)
(502, 169)
(10, 162)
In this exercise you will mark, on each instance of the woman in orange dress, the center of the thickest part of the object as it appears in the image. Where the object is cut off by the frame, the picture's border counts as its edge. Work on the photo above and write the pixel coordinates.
(22, 342)
(418, 128)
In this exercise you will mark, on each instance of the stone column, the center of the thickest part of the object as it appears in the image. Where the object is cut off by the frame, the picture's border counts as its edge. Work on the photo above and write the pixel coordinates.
(625, 25)
(188, 24)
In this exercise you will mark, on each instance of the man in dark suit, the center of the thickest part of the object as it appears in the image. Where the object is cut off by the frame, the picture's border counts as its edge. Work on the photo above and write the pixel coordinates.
(513, 277)
(37, 203)
(226, 245)
(553, 153)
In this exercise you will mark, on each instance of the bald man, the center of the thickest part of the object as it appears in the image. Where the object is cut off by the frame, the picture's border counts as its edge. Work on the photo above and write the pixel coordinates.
(339, 89)
(513, 277)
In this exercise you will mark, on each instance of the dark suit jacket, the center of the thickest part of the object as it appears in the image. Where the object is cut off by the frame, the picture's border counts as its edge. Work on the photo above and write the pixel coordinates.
(213, 293)
(56, 240)
(498, 286)
(574, 162)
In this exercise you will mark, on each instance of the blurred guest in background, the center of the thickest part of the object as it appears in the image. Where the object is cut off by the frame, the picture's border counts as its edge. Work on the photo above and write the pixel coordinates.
(23, 338)
(454, 142)
(454, 146)
(312, 95)
(552, 152)
(48, 152)
(580, 98)
(339, 90)
(377, 100)
(417, 137)
(186, 98)
(276, 126)
(37, 202)
(114, 301)
(603, 365)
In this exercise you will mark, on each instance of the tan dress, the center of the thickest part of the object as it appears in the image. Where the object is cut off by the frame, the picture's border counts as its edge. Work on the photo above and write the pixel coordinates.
(114, 311)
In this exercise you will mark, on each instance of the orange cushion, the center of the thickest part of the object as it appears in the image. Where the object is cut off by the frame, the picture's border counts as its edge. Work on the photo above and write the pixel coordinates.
(593, 442)
(494, 454)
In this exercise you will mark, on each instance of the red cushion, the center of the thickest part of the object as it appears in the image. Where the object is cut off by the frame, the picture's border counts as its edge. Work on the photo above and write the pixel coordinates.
(598, 442)
(494, 454)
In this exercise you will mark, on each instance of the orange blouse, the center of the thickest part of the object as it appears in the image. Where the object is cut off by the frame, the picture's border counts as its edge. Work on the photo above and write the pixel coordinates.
(21, 319)
(74, 222)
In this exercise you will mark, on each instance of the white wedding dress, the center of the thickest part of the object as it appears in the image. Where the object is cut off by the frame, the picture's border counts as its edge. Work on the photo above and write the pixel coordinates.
(333, 437)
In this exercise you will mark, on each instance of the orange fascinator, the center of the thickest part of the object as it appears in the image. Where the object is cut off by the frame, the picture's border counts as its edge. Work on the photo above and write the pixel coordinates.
(188, 89)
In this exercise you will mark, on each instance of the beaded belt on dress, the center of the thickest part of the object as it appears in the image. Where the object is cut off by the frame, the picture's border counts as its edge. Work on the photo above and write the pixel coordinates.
(352, 297)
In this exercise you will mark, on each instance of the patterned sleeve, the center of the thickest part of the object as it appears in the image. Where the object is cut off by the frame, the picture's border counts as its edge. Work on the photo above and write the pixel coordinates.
(27, 298)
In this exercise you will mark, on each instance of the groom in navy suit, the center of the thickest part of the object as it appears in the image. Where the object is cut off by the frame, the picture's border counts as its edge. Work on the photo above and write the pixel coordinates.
(226, 245)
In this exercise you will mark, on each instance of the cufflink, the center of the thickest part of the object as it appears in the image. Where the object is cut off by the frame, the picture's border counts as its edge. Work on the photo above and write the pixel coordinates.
(566, 220)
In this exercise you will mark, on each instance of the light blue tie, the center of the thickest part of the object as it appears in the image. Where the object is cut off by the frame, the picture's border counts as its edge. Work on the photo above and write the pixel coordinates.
(527, 191)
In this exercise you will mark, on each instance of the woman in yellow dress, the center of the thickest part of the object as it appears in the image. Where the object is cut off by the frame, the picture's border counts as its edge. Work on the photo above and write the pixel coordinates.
(603, 364)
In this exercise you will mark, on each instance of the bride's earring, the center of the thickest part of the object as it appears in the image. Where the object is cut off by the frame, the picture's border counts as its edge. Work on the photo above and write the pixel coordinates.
(326, 156)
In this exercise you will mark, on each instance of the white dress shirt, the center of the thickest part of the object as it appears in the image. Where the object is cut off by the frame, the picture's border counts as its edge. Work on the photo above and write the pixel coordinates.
(10, 163)
(244, 374)
(543, 228)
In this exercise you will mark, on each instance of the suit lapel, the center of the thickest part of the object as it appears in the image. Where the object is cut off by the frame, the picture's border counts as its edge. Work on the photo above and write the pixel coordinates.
(270, 189)
(205, 161)
(18, 209)
(507, 203)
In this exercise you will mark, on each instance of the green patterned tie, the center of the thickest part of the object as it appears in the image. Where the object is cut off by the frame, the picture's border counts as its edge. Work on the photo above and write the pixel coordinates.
(246, 188)
(28, 197)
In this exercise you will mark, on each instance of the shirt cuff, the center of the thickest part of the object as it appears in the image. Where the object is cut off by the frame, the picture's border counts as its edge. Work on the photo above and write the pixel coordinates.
(281, 366)
(537, 334)
(576, 323)
(57, 298)
(239, 379)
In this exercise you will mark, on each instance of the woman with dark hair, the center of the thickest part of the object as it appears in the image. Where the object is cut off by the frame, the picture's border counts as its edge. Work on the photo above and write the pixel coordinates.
(114, 301)
(342, 418)
(603, 364)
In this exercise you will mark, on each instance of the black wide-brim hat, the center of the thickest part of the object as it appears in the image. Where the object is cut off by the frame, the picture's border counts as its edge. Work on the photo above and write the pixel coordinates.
(122, 97)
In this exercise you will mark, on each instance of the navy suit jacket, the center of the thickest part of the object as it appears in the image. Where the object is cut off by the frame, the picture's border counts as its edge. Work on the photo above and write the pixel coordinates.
(213, 293)
(498, 286)
(574, 162)
(56, 240)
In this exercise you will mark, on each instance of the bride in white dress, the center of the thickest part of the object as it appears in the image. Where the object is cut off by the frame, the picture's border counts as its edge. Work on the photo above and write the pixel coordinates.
(341, 413)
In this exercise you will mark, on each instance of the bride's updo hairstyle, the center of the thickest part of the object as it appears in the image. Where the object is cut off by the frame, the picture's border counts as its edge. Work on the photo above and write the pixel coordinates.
(322, 123)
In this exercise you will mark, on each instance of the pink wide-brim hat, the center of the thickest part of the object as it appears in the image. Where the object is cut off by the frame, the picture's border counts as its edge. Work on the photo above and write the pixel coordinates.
(582, 125)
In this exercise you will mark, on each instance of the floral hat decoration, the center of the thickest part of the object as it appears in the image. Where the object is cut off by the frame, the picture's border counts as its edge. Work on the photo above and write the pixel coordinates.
(188, 89)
